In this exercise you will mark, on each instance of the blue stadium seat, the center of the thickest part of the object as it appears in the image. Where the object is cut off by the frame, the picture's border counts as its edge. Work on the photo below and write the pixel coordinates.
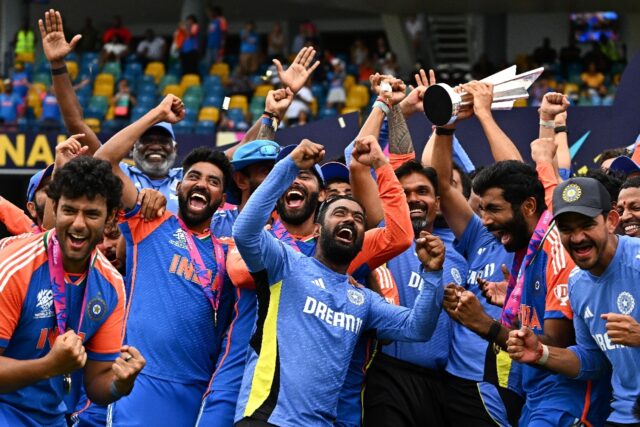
(236, 115)
(184, 127)
(138, 111)
(212, 101)
(211, 81)
(205, 128)
(147, 101)
(191, 114)
(327, 112)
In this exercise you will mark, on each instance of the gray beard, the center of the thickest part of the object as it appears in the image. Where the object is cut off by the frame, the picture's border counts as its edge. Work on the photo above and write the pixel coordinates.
(154, 169)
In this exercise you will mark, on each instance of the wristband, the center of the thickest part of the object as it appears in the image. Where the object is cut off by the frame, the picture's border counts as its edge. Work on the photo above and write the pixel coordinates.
(59, 70)
(114, 391)
(543, 353)
(559, 129)
(494, 331)
(270, 121)
(549, 124)
(444, 131)
(383, 106)
(270, 114)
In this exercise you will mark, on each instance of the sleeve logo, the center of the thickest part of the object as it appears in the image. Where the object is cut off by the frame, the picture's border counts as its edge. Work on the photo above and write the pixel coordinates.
(96, 308)
(355, 296)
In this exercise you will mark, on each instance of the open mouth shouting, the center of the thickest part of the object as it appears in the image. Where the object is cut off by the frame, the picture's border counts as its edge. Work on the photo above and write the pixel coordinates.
(345, 234)
(77, 241)
(294, 198)
(632, 229)
(197, 201)
(417, 210)
(582, 251)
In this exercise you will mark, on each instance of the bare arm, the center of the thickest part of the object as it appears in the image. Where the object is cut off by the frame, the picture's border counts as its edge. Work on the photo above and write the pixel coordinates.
(99, 376)
(16, 374)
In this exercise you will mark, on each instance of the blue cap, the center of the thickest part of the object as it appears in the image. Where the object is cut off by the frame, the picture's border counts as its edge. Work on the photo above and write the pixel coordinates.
(36, 181)
(624, 164)
(335, 171)
(288, 149)
(166, 126)
(253, 152)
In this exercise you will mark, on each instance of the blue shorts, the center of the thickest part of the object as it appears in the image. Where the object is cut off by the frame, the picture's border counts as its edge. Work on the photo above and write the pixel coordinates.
(547, 417)
(218, 409)
(156, 402)
(10, 416)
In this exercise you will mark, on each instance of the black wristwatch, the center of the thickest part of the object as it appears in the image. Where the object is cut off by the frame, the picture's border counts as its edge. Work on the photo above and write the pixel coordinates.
(444, 131)
(559, 129)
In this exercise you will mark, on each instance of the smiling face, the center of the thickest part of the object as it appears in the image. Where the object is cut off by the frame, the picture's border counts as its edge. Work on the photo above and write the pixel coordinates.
(342, 231)
(628, 208)
(300, 201)
(422, 200)
(155, 153)
(507, 224)
(338, 188)
(200, 193)
(80, 226)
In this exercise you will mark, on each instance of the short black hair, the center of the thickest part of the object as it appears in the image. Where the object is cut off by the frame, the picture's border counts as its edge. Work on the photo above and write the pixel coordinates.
(633, 182)
(517, 180)
(612, 183)
(611, 153)
(86, 176)
(413, 166)
(324, 207)
(209, 155)
(465, 181)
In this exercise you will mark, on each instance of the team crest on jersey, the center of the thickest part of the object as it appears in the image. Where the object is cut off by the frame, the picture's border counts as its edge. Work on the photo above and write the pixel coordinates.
(179, 239)
(96, 308)
(561, 292)
(626, 303)
(355, 296)
(44, 304)
(571, 193)
(456, 276)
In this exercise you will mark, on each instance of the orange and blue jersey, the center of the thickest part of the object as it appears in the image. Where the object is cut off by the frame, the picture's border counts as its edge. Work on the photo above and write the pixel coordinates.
(614, 291)
(28, 322)
(14, 218)
(545, 295)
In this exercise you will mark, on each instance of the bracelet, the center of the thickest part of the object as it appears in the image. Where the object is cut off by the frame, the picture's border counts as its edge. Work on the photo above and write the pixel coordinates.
(114, 391)
(270, 114)
(59, 70)
(444, 131)
(542, 360)
(549, 124)
(272, 122)
(383, 106)
(559, 129)
(494, 331)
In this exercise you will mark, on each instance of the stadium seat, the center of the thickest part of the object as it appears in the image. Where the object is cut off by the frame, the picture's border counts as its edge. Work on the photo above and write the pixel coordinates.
(44, 78)
(357, 97)
(155, 69)
(212, 101)
(348, 110)
(103, 89)
(214, 91)
(255, 111)
(327, 112)
(236, 115)
(349, 81)
(211, 114)
(220, 69)
(104, 78)
(174, 89)
(211, 80)
(189, 80)
(93, 123)
(134, 68)
(112, 68)
(314, 107)
(147, 101)
(110, 113)
(147, 88)
(194, 92)
(192, 102)
(183, 127)
(138, 111)
(571, 88)
(98, 105)
(239, 101)
(262, 90)
(205, 128)
(73, 69)
(191, 114)
(168, 79)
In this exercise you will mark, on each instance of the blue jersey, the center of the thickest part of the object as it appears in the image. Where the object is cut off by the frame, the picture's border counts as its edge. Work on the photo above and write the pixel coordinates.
(545, 296)
(9, 104)
(214, 33)
(167, 186)
(165, 297)
(615, 291)
(484, 255)
(28, 326)
(405, 270)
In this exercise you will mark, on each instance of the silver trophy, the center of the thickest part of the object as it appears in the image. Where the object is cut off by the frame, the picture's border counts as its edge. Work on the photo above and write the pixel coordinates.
(442, 104)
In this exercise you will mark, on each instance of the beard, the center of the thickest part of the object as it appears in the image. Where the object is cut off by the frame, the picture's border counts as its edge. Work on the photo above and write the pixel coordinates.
(420, 223)
(192, 219)
(153, 168)
(518, 229)
(337, 252)
(298, 216)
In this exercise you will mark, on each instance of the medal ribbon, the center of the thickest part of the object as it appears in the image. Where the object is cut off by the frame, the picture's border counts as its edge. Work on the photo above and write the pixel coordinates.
(212, 288)
(520, 264)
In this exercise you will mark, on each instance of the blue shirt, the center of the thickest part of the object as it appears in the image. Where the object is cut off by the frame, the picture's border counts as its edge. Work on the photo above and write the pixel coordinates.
(617, 290)
(9, 107)
(50, 109)
(214, 34)
(311, 320)
(167, 186)
(248, 42)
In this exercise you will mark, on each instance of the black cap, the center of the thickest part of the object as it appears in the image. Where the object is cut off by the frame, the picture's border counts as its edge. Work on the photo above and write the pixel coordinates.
(586, 196)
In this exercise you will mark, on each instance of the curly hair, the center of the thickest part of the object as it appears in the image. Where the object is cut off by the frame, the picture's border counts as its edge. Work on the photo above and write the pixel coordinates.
(86, 176)
(208, 155)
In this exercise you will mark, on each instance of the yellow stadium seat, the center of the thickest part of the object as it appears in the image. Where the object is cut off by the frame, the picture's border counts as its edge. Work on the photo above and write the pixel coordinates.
(29, 57)
(103, 89)
(239, 101)
(220, 69)
(155, 69)
(72, 67)
(357, 97)
(34, 101)
(349, 81)
(347, 110)
(314, 107)
(189, 80)
(211, 114)
(110, 113)
(94, 124)
(38, 88)
(262, 90)
(104, 78)
(173, 89)
(571, 88)
(519, 103)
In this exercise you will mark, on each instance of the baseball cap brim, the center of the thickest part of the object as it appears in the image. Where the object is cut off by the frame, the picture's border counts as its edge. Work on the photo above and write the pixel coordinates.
(335, 170)
(164, 126)
(591, 212)
(254, 154)
(624, 164)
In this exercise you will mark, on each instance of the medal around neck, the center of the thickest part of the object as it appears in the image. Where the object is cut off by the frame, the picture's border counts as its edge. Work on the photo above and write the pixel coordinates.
(442, 104)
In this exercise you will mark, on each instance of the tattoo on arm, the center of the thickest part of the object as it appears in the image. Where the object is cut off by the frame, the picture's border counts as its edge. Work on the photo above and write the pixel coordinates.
(399, 136)
(266, 132)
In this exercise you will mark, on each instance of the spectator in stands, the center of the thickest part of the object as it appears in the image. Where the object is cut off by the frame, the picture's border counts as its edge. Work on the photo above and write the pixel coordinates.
(545, 54)
(299, 110)
(249, 49)
(90, 41)
(389, 66)
(216, 35)
(123, 101)
(189, 55)
(595, 55)
(276, 42)
(151, 48)
(114, 50)
(336, 96)
(482, 68)
(359, 52)
(117, 29)
(25, 43)
(569, 55)
(300, 40)
(592, 78)
(20, 80)
(609, 48)
(50, 120)
(413, 25)
(179, 36)
(380, 53)
(10, 105)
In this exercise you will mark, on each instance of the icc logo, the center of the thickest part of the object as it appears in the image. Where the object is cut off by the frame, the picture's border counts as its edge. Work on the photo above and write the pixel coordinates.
(562, 293)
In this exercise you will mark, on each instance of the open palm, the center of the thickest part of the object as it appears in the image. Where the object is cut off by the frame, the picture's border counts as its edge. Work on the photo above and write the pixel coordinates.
(55, 46)
(299, 71)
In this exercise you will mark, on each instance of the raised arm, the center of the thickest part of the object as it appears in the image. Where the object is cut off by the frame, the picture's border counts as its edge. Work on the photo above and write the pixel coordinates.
(14, 218)
(56, 48)
(543, 153)
(171, 110)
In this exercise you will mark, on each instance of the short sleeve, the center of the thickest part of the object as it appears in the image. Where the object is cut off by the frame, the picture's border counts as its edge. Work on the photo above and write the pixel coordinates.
(105, 344)
(559, 266)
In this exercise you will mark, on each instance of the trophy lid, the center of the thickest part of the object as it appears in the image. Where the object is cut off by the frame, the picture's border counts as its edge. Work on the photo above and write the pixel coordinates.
(438, 103)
